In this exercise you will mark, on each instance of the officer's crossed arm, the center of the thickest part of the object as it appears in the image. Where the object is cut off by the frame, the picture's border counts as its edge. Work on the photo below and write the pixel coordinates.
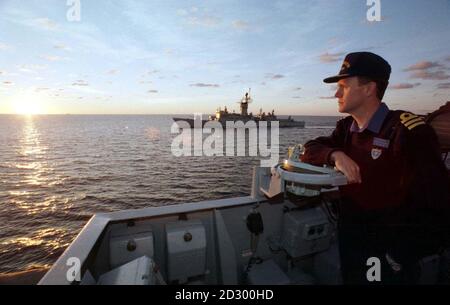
(347, 166)
(329, 150)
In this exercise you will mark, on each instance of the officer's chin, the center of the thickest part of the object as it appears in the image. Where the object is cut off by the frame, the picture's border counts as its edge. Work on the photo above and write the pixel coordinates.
(341, 108)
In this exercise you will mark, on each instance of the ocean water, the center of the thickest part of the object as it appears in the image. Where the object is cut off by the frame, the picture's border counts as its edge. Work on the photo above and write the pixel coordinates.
(57, 171)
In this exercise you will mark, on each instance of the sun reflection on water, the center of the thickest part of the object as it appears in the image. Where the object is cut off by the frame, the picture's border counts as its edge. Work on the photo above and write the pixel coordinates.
(50, 238)
(36, 173)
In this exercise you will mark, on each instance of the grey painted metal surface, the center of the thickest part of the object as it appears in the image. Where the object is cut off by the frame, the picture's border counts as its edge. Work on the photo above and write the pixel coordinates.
(86, 240)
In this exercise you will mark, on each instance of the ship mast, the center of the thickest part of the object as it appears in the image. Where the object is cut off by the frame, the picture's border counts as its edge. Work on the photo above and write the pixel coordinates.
(244, 103)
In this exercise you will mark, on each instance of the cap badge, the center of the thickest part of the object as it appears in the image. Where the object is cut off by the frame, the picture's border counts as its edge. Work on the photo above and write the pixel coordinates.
(345, 65)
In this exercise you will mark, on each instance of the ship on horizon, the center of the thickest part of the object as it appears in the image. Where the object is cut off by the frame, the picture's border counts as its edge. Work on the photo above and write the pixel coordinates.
(224, 116)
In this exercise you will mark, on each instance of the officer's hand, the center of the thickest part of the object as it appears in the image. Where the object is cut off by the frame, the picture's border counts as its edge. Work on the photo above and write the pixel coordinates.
(347, 166)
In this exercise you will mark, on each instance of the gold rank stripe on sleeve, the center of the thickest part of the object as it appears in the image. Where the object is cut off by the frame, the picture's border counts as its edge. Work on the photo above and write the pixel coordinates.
(416, 124)
(411, 120)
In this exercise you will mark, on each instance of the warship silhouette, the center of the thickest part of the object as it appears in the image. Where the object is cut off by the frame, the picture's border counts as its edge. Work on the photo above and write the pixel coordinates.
(224, 116)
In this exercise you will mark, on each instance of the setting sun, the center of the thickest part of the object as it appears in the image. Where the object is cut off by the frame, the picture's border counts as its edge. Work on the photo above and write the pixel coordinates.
(26, 104)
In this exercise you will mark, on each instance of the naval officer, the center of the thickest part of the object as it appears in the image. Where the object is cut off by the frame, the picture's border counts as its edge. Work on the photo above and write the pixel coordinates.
(396, 205)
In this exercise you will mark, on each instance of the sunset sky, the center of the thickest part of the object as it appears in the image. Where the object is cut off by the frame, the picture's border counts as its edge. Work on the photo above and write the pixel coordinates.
(162, 57)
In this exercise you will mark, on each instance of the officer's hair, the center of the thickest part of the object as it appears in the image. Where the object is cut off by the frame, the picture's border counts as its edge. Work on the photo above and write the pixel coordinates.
(381, 85)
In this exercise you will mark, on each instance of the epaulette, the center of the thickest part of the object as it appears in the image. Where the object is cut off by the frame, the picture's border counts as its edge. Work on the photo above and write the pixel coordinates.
(410, 120)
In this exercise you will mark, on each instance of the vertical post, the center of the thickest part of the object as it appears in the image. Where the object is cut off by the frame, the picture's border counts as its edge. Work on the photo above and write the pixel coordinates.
(261, 177)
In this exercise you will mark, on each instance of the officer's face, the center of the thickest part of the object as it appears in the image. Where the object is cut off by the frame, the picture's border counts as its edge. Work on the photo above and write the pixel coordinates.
(351, 95)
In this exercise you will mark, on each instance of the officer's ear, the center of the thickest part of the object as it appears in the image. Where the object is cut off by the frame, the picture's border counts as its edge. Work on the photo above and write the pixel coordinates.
(369, 86)
(370, 89)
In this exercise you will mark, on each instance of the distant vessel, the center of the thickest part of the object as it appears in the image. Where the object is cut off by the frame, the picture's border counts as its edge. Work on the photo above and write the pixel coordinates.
(224, 116)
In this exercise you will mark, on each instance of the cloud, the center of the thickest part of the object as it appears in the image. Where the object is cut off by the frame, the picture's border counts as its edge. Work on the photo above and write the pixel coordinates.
(169, 51)
(297, 97)
(274, 76)
(330, 57)
(150, 72)
(423, 65)
(185, 12)
(46, 24)
(90, 41)
(404, 86)
(89, 38)
(447, 58)
(112, 72)
(82, 87)
(428, 70)
(8, 83)
(327, 97)
(298, 88)
(424, 74)
(333, 41)
(31, 68)
(182, 12)
(5, 46)
(61, 47)
(206, 21)
(144, 82)
(443, 86)
(2, 72)
(240, 25)
(152, 91)
(204, 85)
(41, 89)
(51, 58)
(29, 19)
(80, 83)
(263, 83)
(194, 17)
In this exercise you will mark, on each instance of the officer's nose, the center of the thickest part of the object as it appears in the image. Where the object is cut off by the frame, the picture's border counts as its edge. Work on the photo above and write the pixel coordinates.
(338, 93)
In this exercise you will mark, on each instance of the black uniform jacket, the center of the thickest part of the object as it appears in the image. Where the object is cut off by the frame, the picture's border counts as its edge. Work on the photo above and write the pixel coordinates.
(405, 186)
